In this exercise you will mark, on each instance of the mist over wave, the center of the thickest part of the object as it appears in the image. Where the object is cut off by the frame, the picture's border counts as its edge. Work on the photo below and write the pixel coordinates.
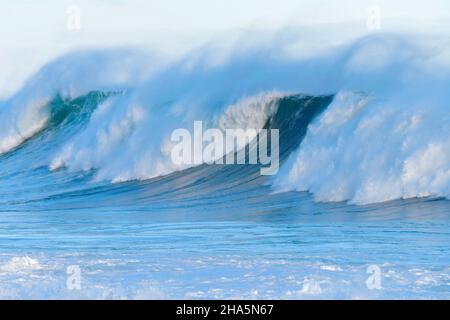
(27, 111)
(384, 143)
(383, 137)
(369, 150)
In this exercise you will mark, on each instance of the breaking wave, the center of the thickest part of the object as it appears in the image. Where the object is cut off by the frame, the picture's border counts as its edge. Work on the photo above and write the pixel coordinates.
(365, 122)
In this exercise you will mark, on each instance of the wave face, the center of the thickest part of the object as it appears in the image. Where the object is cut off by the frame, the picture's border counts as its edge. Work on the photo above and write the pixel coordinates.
(27, 112)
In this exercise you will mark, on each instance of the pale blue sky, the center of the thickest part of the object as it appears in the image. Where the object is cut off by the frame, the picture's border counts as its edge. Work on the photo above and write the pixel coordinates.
(33, 32)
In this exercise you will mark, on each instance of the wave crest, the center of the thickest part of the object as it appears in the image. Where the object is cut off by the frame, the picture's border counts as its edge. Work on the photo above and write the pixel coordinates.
(366, 150)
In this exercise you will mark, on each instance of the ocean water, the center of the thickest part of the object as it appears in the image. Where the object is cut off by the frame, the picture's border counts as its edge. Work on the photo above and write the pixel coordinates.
(87, 188)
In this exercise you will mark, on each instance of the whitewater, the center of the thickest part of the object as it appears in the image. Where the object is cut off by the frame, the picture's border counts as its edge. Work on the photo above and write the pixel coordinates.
(86, 177)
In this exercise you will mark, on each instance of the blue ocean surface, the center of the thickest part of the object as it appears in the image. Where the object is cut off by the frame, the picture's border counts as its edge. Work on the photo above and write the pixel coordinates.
(86, 189)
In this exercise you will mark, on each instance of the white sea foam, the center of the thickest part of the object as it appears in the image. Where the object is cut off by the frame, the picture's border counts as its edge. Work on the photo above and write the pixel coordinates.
(331, 268)
(20, 264)
(310, 287)
(27, 112)
(21, 119)
(366, 150)
(251, 112)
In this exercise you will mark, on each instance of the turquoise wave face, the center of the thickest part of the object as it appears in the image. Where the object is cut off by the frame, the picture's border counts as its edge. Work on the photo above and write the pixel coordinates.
(30, 161)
